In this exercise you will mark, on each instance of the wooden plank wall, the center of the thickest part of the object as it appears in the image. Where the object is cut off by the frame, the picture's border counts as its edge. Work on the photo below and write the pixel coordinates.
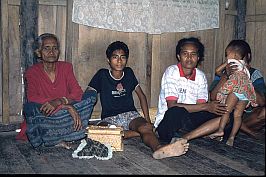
(52, 18)
(256, 33)
(4, 62)
(149, 54)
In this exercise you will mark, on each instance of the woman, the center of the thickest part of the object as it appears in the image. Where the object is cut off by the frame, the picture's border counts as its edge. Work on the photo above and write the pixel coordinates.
(57, 111)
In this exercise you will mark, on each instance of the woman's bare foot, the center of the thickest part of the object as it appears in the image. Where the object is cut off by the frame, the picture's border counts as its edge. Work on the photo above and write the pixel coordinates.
(177, 148)
(230, 141)
(64, 145)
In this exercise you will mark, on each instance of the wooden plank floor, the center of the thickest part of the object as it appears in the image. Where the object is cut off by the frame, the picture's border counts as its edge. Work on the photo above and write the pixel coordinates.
(205, 157)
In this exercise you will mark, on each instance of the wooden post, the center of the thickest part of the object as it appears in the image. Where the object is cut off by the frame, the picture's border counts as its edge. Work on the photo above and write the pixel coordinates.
(28, 34)
(72, 34)
(4, 52)
(28, 31)
(240, 20)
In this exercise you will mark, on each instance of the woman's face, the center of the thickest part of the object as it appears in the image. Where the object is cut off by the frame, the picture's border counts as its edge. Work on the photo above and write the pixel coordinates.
(49, 51)
(232, 54)
(118, 60)
(189, 56)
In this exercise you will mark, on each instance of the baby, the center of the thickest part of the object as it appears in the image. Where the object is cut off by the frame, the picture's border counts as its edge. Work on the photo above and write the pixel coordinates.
(238, 91)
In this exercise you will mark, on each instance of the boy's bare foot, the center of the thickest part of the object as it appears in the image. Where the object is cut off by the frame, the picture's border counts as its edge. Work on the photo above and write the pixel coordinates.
(175, 139)
(130, 134)
(177, 148)
(218, 138)
(216, 134)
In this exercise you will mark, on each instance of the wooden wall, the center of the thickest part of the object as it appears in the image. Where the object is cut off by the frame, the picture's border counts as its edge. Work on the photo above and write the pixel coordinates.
(85, 47)
(256, 33)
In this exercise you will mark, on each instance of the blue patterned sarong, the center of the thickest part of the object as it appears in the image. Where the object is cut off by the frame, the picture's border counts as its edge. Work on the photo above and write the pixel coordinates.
(58, 127)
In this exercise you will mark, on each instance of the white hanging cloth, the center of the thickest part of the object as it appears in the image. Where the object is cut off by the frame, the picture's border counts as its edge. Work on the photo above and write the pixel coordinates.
(149, 16)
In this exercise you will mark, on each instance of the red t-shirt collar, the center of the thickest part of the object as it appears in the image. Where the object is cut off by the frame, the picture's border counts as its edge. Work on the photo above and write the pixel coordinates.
(193, 75)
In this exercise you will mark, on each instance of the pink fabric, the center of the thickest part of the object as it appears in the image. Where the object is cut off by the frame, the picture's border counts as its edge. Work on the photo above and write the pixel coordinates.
(201, 101)
(41, 89)
(171, 98)
(238, 82)
(22, 134)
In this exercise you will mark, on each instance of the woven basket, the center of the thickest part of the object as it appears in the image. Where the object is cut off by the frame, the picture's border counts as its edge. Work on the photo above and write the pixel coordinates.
(106, 135)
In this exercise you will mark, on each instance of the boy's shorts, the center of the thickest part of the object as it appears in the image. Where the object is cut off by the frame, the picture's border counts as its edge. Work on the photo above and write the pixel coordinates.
(122, 119)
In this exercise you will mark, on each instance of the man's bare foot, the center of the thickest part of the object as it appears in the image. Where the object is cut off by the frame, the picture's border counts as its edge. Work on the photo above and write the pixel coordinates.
(256, 135)
(216, 134)
(177, 148)
(230, 141)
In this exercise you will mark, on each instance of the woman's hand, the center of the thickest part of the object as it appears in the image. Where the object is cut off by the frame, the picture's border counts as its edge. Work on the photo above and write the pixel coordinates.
(217, 108)
(73, 112)
(48, 108)
(230, 68)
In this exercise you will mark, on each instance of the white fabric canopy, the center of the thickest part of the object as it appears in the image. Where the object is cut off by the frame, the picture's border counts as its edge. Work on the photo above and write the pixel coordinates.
(150, 16)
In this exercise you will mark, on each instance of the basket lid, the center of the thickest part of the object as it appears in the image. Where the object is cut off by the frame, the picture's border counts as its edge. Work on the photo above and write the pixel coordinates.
(105, 130)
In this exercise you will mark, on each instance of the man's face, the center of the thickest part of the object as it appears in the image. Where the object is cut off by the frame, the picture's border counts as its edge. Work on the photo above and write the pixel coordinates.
(49, 51)
(118, 60)
(189, 56)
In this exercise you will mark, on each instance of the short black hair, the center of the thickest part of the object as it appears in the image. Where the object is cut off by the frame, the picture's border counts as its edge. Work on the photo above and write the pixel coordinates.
(191, 40)
(242, 47)
(117, 45)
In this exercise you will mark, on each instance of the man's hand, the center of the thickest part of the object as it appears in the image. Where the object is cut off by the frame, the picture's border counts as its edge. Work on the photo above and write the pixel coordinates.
(217, 108)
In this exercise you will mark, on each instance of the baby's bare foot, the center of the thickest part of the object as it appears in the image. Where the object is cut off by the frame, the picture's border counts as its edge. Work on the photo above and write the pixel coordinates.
(230, 141)
(177, 148)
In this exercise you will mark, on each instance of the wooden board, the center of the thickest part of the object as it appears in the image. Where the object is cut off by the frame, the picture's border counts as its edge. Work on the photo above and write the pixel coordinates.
(205, 157)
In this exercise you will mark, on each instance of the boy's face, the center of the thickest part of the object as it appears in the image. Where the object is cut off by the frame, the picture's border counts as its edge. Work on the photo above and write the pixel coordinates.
(118, 60)
(188, 56)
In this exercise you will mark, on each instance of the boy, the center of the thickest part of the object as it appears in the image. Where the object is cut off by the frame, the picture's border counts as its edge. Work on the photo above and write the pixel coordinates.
(115, 87)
